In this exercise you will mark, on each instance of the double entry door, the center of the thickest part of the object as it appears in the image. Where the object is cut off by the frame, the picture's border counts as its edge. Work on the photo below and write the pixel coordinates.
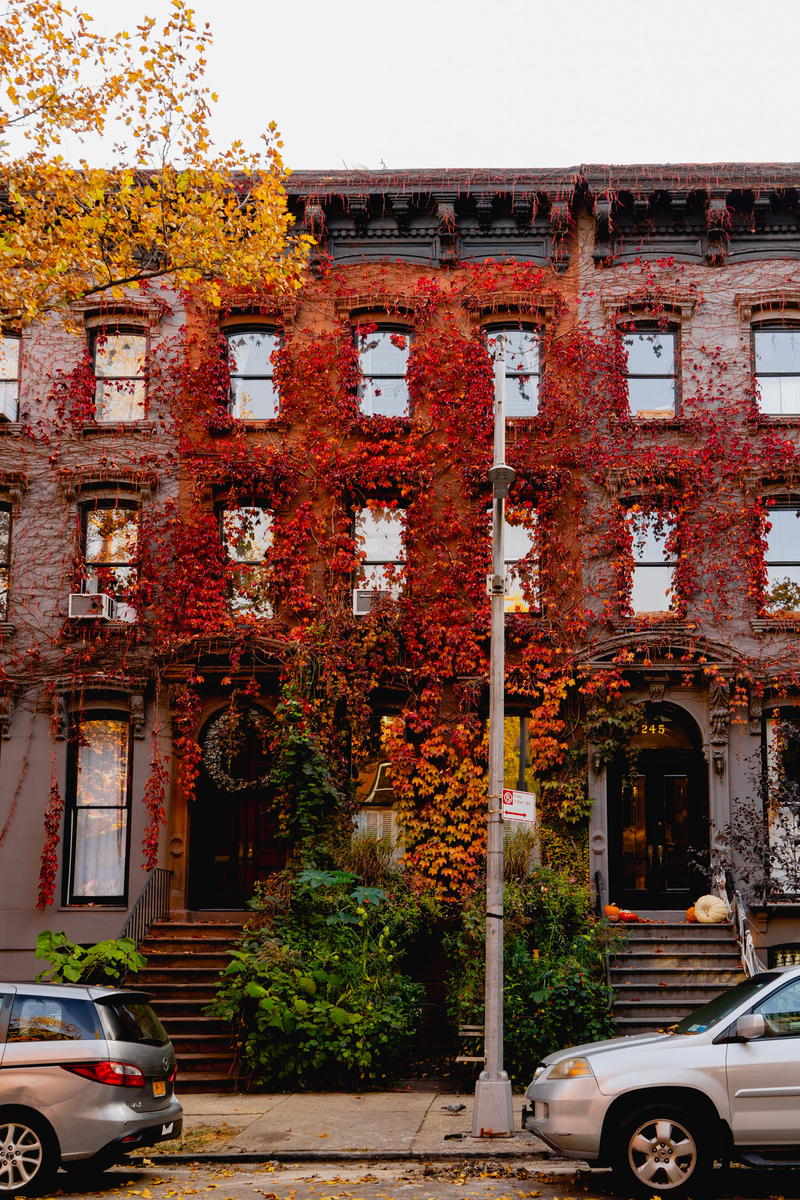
(658, 829)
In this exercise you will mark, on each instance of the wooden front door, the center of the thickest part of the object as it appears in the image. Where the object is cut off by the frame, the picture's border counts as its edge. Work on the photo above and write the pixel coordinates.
(234, 839)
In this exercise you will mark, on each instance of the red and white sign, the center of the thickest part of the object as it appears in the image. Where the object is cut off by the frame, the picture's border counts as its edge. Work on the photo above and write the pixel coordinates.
(519, 806)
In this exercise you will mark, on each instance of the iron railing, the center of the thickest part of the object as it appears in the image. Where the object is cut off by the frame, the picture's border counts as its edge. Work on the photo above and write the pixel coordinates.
(752, 963)
(151, 906)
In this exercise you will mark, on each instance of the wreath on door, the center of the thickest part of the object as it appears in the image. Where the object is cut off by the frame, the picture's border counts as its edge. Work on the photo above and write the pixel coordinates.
(227, 736)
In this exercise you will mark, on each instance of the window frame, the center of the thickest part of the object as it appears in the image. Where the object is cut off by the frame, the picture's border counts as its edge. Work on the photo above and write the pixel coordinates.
(653, 511)
(763, 324)
(252, 565)
(9, 335)
(387, 326)
(232, 331)
(91, 504)
(491, 329)
(5, 562)
(71, 807)
(107, 329)
(645, 327)
(533, 606)
(780, 503)
(394, 588)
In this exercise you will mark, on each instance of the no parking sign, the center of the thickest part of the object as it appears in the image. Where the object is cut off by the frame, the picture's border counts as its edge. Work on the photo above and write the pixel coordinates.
(518, 806)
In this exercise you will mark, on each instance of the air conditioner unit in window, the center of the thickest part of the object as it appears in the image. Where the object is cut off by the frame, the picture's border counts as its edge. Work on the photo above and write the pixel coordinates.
(365, 599)
(91, 606)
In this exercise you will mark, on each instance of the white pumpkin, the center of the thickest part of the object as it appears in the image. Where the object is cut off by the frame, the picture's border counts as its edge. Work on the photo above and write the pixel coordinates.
(710, 910)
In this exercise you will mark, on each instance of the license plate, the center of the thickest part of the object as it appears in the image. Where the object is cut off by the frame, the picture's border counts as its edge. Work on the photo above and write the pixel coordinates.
(159, 1087)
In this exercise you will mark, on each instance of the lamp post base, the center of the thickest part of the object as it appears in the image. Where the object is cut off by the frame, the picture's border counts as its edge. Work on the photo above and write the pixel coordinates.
(493, 1112)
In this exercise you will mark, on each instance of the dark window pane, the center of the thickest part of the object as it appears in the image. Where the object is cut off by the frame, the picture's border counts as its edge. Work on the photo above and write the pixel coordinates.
(129, 1020)
(52, 1019)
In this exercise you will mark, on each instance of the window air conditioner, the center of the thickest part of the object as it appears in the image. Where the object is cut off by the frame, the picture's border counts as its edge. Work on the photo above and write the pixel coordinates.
(364, 599)
(91, 606)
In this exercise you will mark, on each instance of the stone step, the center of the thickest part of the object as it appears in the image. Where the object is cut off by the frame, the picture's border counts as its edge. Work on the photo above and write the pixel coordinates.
(188, 945)
(673, 977)
(197, 1063)
(182, 1024)
(692, 994)
(658, 1012)
(175, 977)
(197, 928)
(178, 962)
(682, 930)
(213, 1045)
(207, 1081)
(683, 962)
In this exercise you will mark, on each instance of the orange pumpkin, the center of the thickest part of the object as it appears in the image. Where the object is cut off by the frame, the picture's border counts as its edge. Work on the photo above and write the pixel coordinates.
(612, 912)
(691, 915)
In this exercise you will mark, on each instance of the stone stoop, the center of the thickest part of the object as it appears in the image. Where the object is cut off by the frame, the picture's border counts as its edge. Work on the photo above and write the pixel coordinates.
(184, 960)
(668, 969)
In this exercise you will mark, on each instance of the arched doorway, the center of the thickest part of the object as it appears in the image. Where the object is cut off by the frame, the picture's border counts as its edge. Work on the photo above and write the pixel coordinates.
(658, 813)
(233, 829)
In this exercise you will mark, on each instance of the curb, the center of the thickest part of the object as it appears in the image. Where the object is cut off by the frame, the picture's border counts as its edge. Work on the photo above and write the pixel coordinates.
(287, 1156)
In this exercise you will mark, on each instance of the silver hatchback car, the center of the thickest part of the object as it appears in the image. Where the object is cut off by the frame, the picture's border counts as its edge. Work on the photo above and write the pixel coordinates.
(661, 1108)
(87, 1075)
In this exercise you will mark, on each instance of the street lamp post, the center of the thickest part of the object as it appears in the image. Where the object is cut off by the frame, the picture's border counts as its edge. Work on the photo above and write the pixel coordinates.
(492, 1114)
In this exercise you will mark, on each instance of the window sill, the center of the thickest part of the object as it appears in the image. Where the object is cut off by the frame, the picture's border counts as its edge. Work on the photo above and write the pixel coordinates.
(117, 427)
(631, 421)
(94, 906)
(654, 620)
(118, 628)
(11, 428)
(267, 425)
(6, 629)
(787, 421)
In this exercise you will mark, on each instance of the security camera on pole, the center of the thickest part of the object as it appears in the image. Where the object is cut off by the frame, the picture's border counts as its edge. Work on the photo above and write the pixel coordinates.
(492, 1114)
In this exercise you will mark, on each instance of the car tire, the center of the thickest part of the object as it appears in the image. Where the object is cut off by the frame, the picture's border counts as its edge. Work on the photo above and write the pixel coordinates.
(28, 1154)
(659, 1151)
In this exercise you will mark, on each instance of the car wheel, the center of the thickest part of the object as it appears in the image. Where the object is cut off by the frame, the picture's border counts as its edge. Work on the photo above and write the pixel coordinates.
(28, 1158)
(660, 1153)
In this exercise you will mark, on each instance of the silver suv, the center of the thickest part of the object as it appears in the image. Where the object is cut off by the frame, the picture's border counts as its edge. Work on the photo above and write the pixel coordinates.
(87, 1075)
(661, 1108)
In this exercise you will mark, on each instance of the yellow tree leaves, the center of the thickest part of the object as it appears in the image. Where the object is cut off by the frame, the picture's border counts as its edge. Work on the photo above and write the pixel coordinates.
(170, 203)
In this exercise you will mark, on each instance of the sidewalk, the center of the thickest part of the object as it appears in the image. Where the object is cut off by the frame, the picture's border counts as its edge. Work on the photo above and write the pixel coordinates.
(316, 1125)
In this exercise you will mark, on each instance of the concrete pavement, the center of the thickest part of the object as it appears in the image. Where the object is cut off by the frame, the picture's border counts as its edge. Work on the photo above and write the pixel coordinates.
(322, 1125)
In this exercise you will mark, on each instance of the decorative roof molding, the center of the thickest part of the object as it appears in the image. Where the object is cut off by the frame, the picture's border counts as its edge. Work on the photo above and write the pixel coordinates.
(241, 305)
(75, 481)
(775, 299)
(96, 311)
(674, 302)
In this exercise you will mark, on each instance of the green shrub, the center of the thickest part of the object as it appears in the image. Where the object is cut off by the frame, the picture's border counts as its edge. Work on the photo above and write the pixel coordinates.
(555, 985)
(105, 962)
(315, 988)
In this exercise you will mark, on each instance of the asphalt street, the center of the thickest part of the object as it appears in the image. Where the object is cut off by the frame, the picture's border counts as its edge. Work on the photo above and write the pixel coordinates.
(463, 1180)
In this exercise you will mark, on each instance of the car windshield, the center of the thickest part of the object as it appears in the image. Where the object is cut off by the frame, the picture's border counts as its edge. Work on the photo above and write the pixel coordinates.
(721, 1006)
(132, 1020)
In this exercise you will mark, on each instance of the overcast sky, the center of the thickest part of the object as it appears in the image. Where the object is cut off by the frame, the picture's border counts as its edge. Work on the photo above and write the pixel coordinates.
(502, 83)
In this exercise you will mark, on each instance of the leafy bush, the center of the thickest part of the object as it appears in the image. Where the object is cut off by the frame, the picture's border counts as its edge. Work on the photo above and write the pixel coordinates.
(105, 962)
(315, 988)
(555, 987)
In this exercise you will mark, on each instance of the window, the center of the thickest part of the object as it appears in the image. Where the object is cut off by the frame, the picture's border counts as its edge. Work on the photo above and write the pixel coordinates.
(651, 373)
(522, 593)
(783, 558)
(119, 365)
(111, 552)
(98, 803)
(522, 367)
(383, 362)
(247, 536)
(777, 369)
(5, 559)
(52, 1019)
(781, 748)
(379, 539)
(9, 377)
(254, 396)
(654, 559)
(781, 1011)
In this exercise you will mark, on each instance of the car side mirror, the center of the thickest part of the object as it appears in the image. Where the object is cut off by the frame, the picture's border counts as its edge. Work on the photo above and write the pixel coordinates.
(751, 1025)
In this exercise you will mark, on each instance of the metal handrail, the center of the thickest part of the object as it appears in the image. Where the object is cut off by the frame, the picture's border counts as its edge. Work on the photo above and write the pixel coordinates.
(151, 905)
(740, 919)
